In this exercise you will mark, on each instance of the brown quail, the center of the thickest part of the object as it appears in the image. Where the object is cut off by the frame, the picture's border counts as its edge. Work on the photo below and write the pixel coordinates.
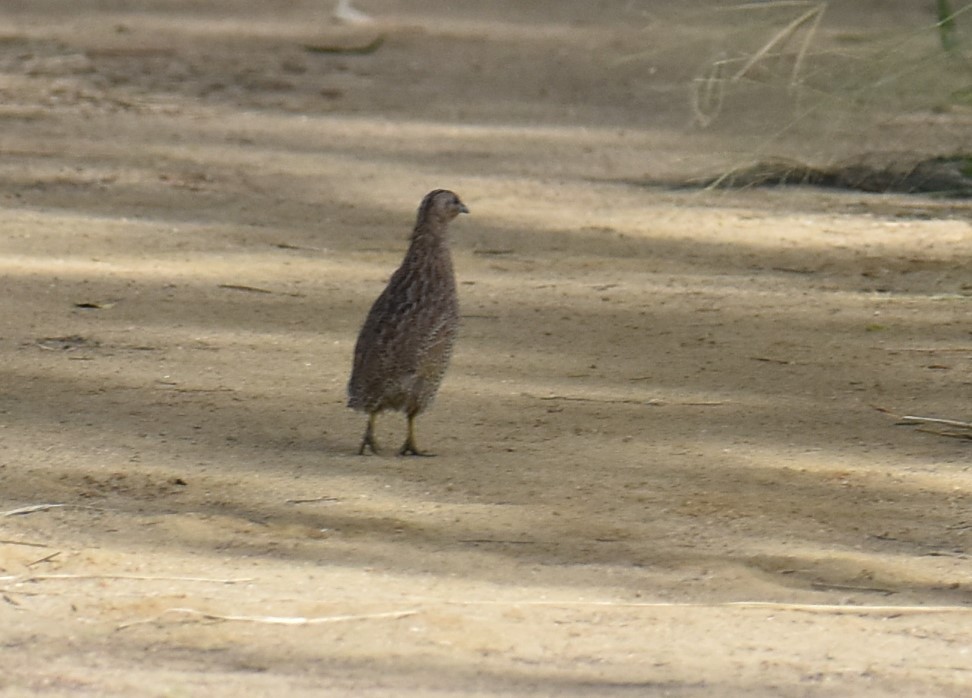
(406, 341)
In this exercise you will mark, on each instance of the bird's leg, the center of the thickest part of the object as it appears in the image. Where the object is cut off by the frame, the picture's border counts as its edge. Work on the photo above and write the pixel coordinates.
(369, 436)
(409, 448)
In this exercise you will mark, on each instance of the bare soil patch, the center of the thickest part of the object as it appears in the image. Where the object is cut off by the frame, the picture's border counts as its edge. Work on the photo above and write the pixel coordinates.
(660, 469)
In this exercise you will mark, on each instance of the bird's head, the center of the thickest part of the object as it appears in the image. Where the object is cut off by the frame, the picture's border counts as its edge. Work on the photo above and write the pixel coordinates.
(441, 206)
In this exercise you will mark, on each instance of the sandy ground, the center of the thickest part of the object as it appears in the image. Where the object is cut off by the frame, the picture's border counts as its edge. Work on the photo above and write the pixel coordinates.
(660, 468)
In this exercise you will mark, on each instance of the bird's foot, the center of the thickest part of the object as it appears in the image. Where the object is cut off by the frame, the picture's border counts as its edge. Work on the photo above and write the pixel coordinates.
(409, 449)
(368, 442)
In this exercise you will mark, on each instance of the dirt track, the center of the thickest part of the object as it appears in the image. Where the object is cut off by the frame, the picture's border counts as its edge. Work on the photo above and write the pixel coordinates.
(660, 468)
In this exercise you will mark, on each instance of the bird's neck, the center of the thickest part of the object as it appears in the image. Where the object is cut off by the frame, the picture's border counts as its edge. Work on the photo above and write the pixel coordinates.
(429, 236)
(429, 248)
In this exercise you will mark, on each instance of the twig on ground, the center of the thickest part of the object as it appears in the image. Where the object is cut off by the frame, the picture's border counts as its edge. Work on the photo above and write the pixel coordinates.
(19, 592)
(950, 434)
(930, 350)
(243, 287)
(768, 605)
(621, 401)
(362, 50)
(21, 511)
(132, 577)
(795, 270)
(663, 403)
(827, 608)
(312, 500)
(936, 420)
(769, 360)
(625, 401)
(493, 252)
(31, 509)
(256, 289)
(302, 248)
(824, 586)
(24, 542)
(46, 558)
(912, 420)
(270, 620)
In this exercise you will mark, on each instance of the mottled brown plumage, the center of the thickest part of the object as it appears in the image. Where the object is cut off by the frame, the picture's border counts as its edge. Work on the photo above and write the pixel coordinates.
(406, 341)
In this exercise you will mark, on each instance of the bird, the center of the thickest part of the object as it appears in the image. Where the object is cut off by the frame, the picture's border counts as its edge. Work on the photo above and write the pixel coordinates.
(406, 341)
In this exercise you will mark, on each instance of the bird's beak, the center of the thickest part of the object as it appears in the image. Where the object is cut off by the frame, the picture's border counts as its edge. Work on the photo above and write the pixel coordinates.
(463, 209)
